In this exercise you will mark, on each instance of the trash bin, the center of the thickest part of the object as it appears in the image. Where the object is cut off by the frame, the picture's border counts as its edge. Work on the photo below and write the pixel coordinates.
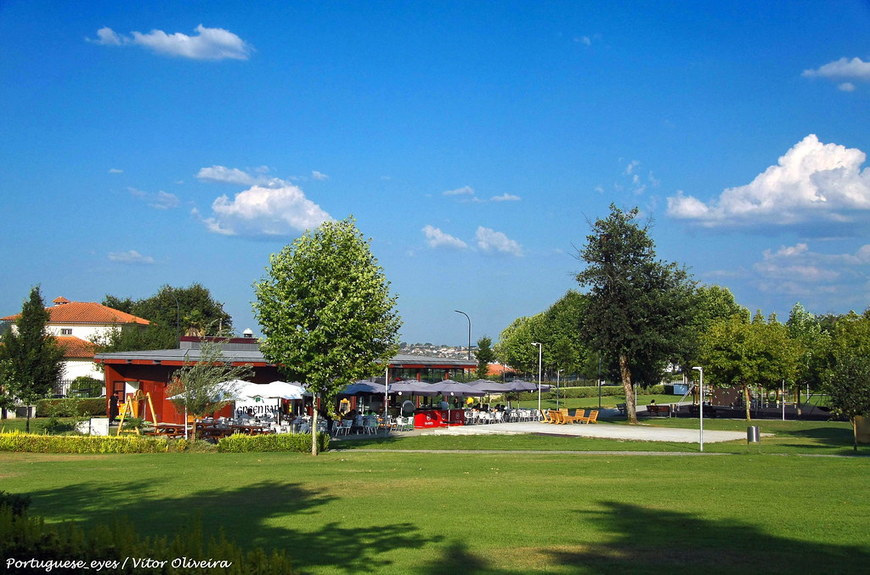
(752, 435)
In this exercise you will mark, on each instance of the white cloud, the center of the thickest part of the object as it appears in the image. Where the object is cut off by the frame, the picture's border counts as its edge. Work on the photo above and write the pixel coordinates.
(261, 211)
(798, 271)
(843, 68)
(489, 240)
(165, 200)
(207, 44)
(505, 198)
(812, 183)
(319, 176)
(130, 257)
(437, 239)
(115, 171)
(224, 175)
(161, 200)
(846, 87)
(463, 191)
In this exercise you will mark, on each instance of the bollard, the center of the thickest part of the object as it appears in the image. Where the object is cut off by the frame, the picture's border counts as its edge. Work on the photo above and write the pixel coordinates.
(752, 435)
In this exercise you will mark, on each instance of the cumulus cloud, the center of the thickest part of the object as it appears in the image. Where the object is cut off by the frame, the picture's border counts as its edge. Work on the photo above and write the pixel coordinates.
(259, 211)
(812, 183)
(130, 257)
(206, 44)
(438, 239)
(844, 68)
(320, 176)
(491, 241)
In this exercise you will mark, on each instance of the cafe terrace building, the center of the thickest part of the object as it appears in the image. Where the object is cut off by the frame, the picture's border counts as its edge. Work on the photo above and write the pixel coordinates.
(151, 371)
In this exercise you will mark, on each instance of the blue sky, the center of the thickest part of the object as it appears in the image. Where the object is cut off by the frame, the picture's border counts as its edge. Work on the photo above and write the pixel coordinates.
(156, 143)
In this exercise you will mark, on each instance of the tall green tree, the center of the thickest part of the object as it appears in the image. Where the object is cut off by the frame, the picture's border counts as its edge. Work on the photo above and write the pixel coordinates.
(484, 355)
(740, 353)
(514, 347)
(812, 343)
(848, 386)
(639, 307)
(173, 312)
(326, 311)
(204, 386)
(30, 359)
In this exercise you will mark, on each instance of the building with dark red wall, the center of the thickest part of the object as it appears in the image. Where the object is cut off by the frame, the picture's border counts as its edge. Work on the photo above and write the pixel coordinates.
(151, 371)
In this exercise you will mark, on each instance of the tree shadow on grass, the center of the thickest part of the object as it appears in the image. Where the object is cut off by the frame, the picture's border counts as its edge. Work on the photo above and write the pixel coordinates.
(244, 515)
(659, 541)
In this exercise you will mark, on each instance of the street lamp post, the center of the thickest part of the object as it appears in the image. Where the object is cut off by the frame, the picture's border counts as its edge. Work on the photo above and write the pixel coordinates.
(701, 406)
(540, 355)
(469, 331)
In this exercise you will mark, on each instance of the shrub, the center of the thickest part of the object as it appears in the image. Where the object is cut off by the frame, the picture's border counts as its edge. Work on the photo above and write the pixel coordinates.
(18, 504)
(300, 442)
(84, 386)
(28, 545)
(71, 407)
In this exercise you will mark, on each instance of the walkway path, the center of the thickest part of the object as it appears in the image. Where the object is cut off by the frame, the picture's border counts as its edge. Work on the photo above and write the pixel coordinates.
(600, 430)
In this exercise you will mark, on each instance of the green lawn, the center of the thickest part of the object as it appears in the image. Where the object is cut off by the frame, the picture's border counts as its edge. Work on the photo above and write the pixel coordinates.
(500, 513)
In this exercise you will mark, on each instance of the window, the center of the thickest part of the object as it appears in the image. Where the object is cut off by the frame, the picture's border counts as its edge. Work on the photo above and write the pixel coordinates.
(66, 331)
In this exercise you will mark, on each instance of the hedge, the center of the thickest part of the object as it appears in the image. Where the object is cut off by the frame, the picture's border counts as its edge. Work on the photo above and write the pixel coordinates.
(28, 545)
(300, 442)
(71, 407)
(34, 443)
(592, 391)
(94, 444)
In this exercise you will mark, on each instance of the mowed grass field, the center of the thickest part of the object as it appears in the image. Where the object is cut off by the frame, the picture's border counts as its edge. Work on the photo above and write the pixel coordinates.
(511, 512)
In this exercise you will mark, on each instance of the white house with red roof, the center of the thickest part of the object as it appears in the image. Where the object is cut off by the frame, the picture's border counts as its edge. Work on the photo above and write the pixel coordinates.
(76, 325)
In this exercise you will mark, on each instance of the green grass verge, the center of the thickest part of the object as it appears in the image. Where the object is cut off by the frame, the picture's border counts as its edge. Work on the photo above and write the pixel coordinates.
(510, 513)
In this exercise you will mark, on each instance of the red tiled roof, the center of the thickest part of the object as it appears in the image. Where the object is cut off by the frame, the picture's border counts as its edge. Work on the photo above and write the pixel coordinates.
(495, 369)
(86, 312)
(74, 347)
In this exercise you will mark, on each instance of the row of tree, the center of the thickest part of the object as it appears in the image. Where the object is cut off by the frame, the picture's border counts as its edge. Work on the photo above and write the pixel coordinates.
(640, 315)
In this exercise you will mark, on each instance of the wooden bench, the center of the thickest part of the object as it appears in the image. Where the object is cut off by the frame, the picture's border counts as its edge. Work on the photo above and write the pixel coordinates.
(658, 410)
(621, 408)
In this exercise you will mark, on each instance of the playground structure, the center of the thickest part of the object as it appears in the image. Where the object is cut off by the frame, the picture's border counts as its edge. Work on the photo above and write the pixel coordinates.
(135, 403)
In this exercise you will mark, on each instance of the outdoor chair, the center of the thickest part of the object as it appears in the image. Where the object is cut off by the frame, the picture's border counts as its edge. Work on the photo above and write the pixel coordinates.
(593, 417)
(370, 425)
(577, 417)
(343, 427)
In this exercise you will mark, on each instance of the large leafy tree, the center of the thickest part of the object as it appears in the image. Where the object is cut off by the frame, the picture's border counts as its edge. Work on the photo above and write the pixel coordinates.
(558, 329)
(205, 386)
(514, 347)
(741, 353)
(639, 307)
(173, 312)
(326, 311)
(30, 359)
(848, 385)
(812, 343)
